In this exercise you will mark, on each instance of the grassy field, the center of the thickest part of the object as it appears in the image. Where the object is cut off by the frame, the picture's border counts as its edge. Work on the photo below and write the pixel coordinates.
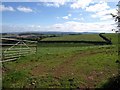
(84, 37)
(114, 38)
(93, 37)
(63, 67)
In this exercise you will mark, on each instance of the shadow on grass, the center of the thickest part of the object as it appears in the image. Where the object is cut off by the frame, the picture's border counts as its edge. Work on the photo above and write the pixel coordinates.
(113, 83)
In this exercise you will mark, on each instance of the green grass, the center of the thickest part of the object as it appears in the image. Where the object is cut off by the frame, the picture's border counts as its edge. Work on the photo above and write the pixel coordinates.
(86, 37)
(63, 65)
(83, 37)
(53, 67)
(114, 37)
(64, 44)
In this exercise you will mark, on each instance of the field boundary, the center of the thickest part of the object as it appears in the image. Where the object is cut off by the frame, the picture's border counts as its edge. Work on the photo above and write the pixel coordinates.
(87, 42)
(104, 38)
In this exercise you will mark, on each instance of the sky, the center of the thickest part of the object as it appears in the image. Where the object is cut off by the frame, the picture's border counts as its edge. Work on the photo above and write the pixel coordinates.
(58, 15)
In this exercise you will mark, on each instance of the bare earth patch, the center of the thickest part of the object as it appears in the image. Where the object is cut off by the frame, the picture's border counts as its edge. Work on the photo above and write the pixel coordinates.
(38, 70)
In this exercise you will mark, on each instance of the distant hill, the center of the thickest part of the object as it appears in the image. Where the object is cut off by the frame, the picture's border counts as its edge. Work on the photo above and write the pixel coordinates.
(49, 32)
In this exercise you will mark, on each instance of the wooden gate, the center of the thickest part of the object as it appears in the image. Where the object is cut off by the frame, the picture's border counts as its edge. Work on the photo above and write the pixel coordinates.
(13, 49)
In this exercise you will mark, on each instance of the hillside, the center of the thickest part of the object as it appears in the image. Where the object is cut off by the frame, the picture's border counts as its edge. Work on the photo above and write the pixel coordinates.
(83, 37)
(89, 66)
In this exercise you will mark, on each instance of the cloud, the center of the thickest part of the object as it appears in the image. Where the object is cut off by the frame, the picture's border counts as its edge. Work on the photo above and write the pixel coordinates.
(80, 19)
(97, 7)
(73, 26)
(75, 19)
(57, 26)
(70, 26)
(53, 0)
(101, 10)
(81, 4)
(54, 3)
(34, 26)
(20, 28)
(24, 9)
(61, 2)
(67, 17)
(20, 8)
(104, 15)
(51, 4)
(6, 8)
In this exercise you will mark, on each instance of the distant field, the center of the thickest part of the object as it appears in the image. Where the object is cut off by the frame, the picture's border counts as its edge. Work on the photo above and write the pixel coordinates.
(83, 37)
(64, 65)
(93, 37)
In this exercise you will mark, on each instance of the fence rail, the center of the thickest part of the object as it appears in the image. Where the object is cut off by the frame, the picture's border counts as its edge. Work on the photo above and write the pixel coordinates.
(19, 48)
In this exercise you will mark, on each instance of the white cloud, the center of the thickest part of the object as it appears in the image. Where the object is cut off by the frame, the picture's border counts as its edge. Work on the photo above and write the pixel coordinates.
(104, 15)
(6, 8)
(35, 26)
(101, 10)
(61, 2)
(52, 4)
(81, 4)
(70, 26)
(97, 7)
(55, 3)
(83, 27)
(80, 19)
(53, 0)
(57, 26)
(69, 15)
(24, 9)
(20, 28)
(65, 17)
(75, 19)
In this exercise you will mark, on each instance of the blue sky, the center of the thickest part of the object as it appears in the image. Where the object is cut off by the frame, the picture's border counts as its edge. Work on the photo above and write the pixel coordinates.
(62, 15)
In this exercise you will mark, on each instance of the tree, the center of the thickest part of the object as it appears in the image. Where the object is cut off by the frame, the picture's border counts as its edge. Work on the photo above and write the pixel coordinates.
(117, 18)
